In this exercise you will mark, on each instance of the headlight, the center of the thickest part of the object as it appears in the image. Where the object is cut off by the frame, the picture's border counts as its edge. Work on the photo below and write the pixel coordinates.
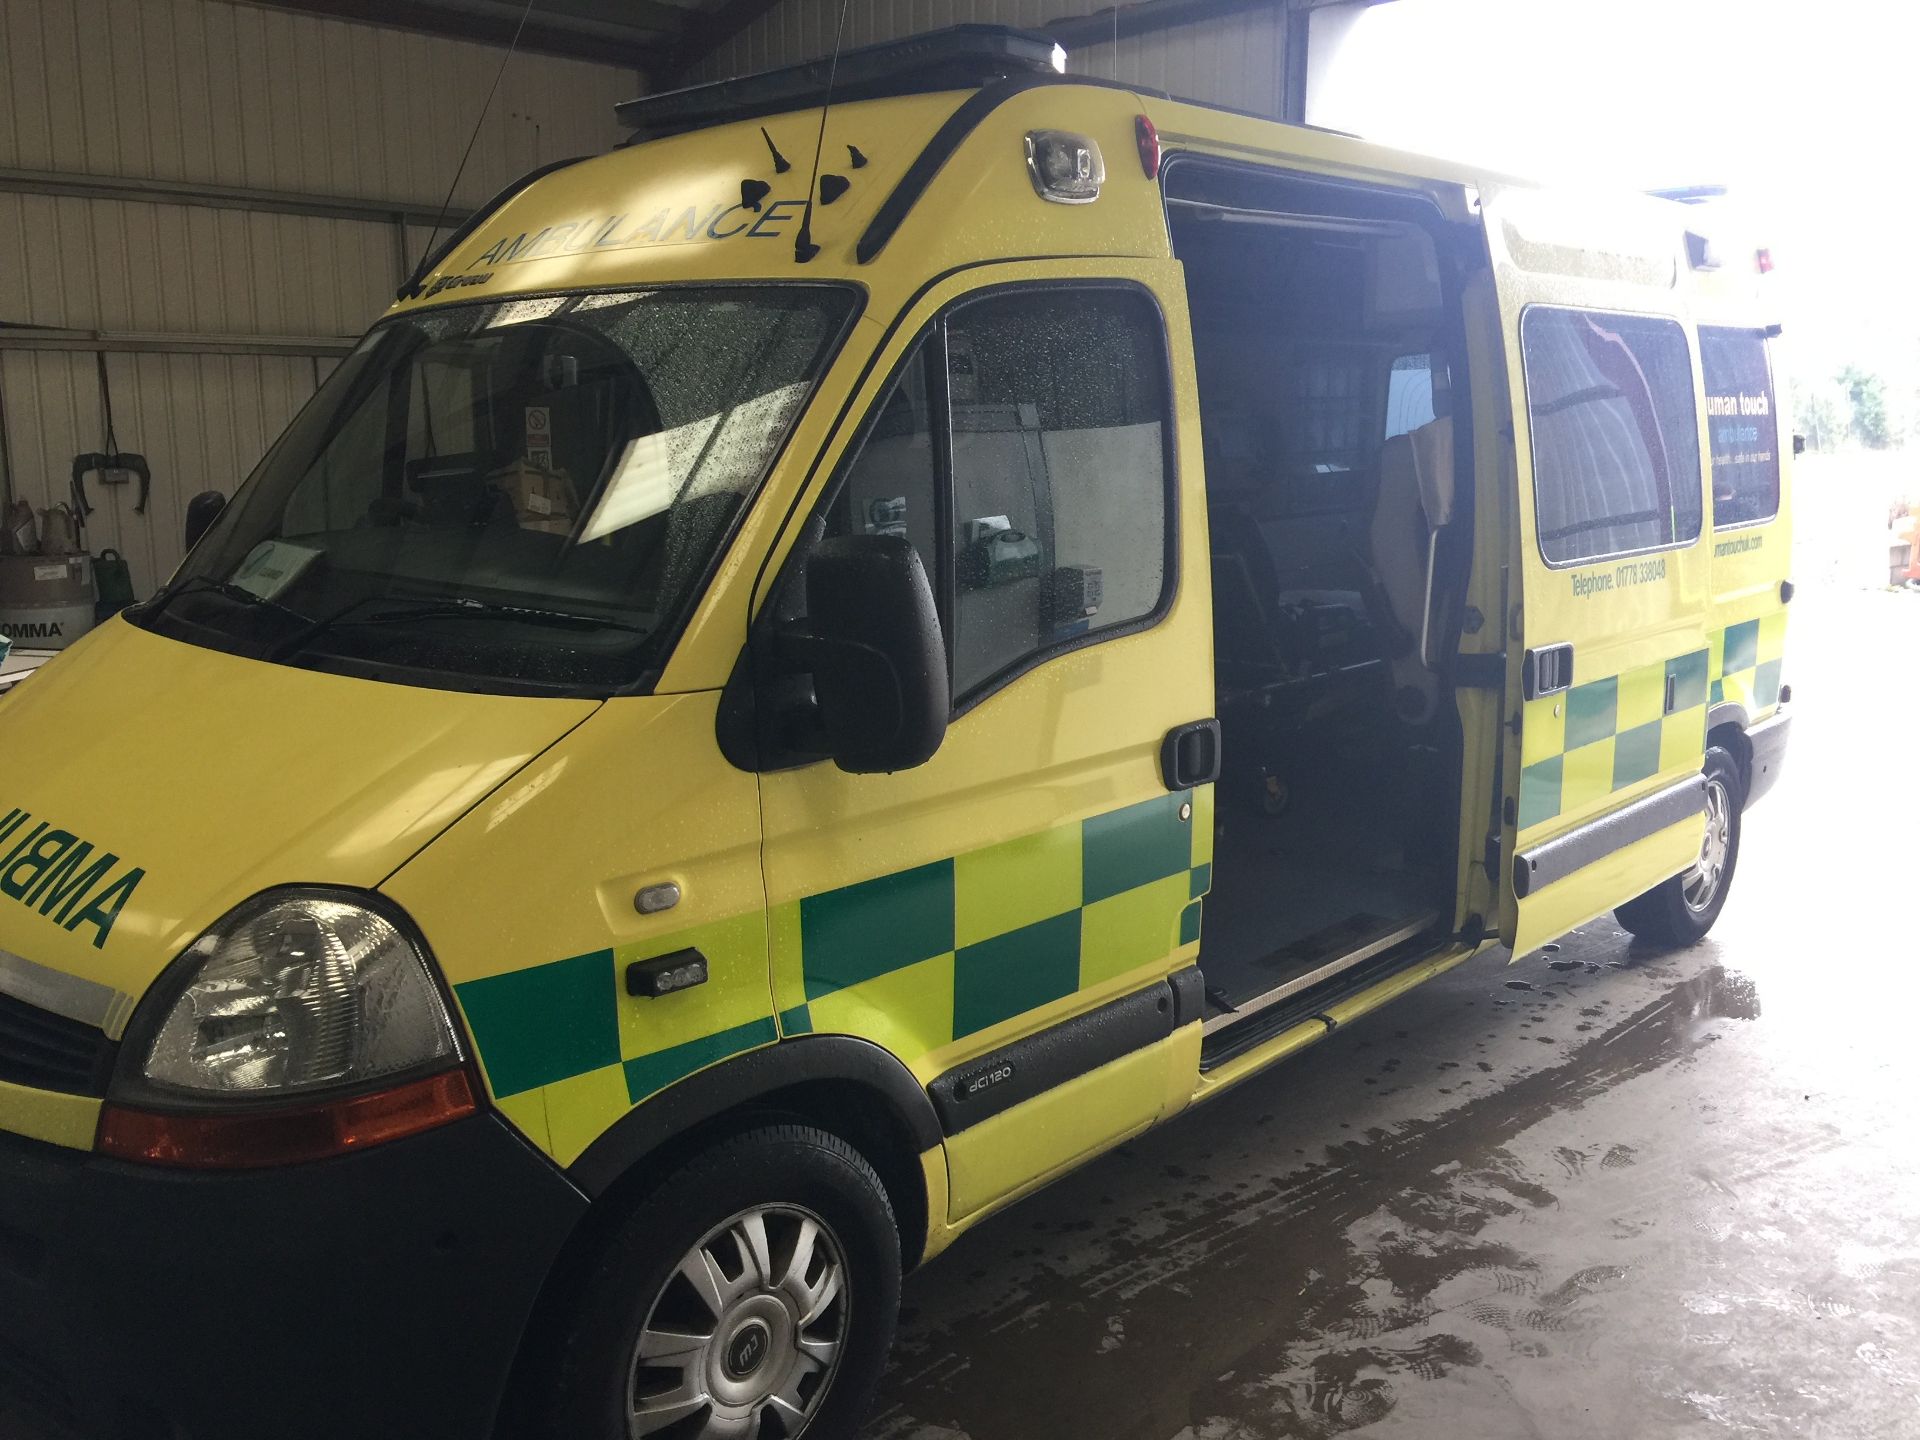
(300, 990)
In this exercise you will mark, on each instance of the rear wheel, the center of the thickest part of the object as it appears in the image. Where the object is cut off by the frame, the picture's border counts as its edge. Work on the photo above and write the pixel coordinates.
(1680, 911)
(752, 1296)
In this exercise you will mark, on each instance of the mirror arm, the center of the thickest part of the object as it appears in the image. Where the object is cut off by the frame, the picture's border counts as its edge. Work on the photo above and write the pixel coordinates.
(798, 651)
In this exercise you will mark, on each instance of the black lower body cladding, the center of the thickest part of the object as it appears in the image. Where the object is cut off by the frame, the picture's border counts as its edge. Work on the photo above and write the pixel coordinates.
(378, 1294)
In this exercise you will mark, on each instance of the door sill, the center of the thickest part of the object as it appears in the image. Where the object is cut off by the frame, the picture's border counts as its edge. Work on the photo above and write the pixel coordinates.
(1378, 944)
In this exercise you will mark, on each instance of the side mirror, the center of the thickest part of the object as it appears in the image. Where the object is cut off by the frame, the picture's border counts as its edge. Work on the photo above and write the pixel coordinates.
(202, 510)
(872, 641)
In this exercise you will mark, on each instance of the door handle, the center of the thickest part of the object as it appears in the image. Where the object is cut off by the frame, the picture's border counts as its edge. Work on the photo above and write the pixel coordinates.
(1190, 755)
(1546, 671)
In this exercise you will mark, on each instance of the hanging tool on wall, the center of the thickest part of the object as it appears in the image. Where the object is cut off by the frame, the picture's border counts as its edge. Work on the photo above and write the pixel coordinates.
(114, 466)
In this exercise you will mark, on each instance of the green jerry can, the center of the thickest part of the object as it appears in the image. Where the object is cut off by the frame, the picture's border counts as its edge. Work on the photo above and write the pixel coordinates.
(112, 584)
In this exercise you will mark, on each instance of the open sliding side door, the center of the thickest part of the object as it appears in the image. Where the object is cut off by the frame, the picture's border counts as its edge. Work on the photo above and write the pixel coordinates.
(1607, 664)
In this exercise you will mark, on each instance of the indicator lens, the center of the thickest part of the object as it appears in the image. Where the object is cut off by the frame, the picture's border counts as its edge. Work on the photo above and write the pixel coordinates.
(249, 1140)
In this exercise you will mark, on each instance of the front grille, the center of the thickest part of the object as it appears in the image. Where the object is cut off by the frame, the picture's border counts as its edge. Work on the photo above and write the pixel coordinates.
(50, 1052)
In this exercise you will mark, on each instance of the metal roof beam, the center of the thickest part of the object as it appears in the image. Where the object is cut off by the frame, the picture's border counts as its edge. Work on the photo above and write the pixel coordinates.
(1150, 16)
(613, 32)
(148, 190)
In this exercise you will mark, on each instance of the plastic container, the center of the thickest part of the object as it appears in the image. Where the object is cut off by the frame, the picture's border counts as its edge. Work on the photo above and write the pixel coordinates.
(46, 602)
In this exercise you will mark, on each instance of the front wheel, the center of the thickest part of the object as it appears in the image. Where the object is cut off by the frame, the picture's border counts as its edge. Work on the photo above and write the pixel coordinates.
(751, 1296)
(1680, 911)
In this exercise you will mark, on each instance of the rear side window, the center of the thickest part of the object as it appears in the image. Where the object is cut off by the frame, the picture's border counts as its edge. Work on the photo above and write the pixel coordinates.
(1023, 450)
(1616, 445)
(1744, 441)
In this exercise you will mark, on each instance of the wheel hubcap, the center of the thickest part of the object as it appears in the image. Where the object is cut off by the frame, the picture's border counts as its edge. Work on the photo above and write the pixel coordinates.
(745, 1337)
(1702, 883)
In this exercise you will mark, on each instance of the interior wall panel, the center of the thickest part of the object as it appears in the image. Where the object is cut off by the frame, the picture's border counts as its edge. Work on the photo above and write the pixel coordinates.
(127, 265)
(201, 421)
(200, 90)
(208, 92)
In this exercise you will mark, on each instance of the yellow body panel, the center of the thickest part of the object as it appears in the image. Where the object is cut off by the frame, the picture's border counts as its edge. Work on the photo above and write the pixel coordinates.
(1597, 888)
(1011, 1154)
(215, 777)
(1634, 720)
(529, 904)
(68, 1120)
(946, 910)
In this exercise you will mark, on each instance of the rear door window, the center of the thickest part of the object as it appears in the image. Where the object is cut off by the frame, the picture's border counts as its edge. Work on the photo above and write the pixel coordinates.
(1616, 444)
(1740, 425)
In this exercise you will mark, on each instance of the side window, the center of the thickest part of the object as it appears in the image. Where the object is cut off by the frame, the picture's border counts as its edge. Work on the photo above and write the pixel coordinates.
(1059, 471)
(888, 489)
(1022, 449)
(1409, 395)
(1616, 448)
(1744, 440)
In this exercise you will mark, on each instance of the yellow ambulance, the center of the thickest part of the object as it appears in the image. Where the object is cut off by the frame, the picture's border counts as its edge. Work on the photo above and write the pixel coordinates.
(815, 672)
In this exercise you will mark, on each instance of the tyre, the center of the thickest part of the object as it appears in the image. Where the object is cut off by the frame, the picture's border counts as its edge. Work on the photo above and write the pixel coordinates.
(1680, 911)
(750, 1296)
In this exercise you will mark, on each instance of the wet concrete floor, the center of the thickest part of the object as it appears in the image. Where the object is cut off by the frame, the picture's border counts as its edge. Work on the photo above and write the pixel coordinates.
(1600, 1192)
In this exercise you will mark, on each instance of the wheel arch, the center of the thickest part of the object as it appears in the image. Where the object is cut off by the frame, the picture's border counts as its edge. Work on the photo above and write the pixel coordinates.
(1727, 725)
(848, 1087)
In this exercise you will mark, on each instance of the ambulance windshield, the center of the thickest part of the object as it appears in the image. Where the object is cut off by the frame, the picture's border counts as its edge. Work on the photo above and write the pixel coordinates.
(521, 495)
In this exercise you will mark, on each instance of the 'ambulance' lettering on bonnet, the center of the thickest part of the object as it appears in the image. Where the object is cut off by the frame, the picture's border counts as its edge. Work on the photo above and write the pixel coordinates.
(62, 876)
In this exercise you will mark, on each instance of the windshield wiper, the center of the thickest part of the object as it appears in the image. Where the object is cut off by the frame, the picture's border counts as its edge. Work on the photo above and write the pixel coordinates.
(226, 589)
(448, 608)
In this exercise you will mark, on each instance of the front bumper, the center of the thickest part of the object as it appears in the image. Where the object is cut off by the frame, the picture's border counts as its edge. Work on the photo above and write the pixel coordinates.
(378, 1294)
(1769, 742)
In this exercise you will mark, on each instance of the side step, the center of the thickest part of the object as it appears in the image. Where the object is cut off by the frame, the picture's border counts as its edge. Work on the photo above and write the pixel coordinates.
(1224, 1036)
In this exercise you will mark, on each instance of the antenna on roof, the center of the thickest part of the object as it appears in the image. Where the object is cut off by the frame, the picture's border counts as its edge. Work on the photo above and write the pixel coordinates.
(803, 247)
(478, 121)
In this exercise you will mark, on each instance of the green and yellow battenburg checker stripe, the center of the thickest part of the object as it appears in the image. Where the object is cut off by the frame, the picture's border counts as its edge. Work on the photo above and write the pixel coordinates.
(914, 960)
(1745, 664)
(1581, 745)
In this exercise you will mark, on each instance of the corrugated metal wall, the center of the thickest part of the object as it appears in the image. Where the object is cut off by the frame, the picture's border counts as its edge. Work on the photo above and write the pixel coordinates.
(210, 93)
(1232, 60)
